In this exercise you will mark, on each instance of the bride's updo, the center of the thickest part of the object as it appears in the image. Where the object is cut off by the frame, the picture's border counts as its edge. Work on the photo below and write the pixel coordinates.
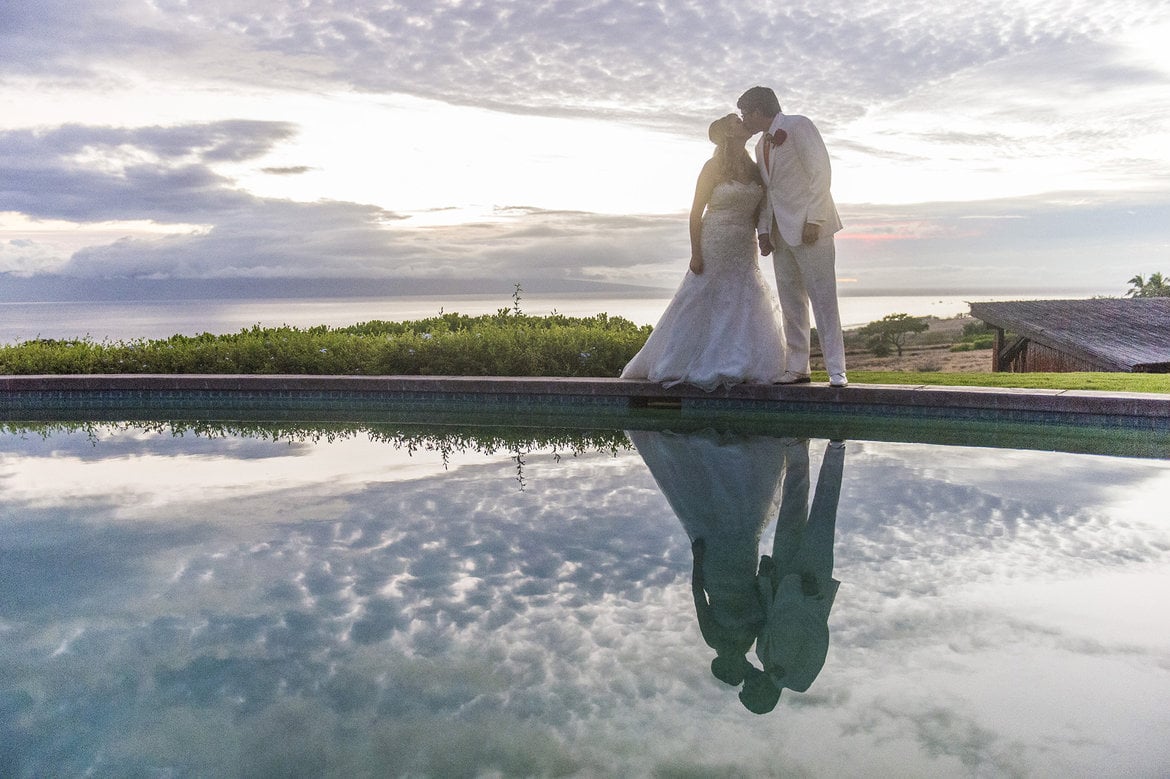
(734, 162)
(718, 131)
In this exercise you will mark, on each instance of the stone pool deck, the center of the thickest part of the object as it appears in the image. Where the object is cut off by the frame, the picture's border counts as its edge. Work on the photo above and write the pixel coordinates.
(21, 396)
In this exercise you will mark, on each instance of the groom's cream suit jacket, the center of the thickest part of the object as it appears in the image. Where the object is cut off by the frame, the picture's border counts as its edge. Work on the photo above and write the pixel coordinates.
(797, 177)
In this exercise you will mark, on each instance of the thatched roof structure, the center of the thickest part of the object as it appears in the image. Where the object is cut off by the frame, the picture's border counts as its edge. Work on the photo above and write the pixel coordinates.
(1108, 334)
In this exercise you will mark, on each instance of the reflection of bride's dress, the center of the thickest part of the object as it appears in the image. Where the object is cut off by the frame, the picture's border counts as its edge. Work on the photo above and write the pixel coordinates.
(724, 488)
(722, 326)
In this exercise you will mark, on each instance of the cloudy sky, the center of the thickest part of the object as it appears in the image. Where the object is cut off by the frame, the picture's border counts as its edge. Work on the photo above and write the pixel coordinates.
(997, 145)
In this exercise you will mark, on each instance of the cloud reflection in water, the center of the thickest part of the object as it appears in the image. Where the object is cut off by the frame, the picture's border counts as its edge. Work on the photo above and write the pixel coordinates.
(449, 623)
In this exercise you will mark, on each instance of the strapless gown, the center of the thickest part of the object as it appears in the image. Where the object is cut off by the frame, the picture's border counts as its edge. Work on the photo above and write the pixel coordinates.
(722, 327)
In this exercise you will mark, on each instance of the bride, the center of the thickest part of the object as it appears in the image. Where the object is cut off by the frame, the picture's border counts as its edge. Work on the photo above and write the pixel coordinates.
(723, 325)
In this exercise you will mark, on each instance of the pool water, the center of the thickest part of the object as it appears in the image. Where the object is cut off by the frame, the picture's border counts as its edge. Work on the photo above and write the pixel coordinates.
(241, 600)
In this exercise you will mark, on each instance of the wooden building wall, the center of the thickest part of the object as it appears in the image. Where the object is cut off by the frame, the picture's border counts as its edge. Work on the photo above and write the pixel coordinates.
(1025, 355)
(1041, 359)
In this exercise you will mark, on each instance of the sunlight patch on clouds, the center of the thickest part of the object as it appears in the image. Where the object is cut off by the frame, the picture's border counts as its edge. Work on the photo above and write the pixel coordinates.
(17, 225)
(30, 247)
(424, 159)
(401, 153)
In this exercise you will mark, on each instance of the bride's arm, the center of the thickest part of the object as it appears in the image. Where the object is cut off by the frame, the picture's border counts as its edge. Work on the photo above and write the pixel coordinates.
(703, 189)
(707, 624)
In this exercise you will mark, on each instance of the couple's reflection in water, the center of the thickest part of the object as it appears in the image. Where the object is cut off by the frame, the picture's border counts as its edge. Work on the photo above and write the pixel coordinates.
(727, 489)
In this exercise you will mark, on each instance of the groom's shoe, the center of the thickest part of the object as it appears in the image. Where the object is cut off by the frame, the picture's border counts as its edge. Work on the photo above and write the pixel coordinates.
(792, 377)
(838, 380)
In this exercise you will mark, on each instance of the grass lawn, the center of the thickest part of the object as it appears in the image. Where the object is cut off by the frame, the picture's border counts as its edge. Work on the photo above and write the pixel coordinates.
(1105, 382)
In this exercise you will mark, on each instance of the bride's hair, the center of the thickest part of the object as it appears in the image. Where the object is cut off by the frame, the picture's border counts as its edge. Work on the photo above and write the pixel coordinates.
(733, 159)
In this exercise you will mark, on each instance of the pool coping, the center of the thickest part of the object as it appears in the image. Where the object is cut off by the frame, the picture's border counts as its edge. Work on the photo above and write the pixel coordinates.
(1061, 406)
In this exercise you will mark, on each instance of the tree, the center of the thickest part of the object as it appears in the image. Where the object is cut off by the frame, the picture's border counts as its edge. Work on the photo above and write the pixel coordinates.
(1155, 287)
(890, 332)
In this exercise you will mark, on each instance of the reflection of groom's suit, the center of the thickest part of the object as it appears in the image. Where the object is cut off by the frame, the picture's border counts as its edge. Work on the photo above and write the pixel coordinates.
(797, 584)
(797, 176)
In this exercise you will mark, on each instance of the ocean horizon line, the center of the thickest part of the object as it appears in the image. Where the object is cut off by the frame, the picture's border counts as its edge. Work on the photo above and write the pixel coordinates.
(150, 319)
(45, 289)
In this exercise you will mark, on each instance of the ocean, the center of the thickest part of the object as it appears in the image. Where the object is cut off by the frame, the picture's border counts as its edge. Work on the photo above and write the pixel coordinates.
(129, 320)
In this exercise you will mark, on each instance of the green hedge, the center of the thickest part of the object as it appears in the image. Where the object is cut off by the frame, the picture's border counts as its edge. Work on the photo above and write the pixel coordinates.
(501, 344)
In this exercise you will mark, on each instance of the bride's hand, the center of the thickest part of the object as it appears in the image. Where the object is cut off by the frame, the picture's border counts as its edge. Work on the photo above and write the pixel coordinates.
(765, 245)
(696, 264)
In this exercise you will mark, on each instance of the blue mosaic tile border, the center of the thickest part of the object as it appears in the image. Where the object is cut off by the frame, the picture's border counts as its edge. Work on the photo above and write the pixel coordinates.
(42, 402)
(884, 411)
(285, 400)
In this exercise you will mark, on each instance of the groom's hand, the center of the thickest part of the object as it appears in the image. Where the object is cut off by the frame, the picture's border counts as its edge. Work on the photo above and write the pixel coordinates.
(765, 245)
(811, 233)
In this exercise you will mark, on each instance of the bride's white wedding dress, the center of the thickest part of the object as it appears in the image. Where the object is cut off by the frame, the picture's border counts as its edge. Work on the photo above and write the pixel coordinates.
(723, 326)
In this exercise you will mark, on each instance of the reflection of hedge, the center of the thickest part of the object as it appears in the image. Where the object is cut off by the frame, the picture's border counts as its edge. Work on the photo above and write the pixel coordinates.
(446, 439)
(501, 344)
(517, 442)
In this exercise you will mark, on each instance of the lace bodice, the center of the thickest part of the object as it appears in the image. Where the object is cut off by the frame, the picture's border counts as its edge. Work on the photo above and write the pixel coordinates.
(734, 200)
(729, 226)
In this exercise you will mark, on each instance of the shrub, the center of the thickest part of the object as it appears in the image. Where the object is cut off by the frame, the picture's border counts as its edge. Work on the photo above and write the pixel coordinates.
(973, 343)
(501, 344)
(890, 333)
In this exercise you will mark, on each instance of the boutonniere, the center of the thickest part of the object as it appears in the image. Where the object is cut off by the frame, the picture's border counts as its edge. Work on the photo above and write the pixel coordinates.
(778, 138)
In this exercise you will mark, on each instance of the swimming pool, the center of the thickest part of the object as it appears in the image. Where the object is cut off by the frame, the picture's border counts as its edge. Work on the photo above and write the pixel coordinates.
(380, 597)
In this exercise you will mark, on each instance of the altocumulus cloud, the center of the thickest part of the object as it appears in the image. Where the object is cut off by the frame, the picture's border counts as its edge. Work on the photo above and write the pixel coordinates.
(576, 57)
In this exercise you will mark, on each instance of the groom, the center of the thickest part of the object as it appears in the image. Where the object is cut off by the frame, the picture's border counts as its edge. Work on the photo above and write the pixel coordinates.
(797, 229)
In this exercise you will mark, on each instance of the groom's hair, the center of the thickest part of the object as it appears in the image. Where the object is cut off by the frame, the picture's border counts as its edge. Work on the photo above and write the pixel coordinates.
(761, 99)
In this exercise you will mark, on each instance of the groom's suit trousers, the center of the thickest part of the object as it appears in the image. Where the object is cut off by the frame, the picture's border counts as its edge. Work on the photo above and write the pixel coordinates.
(807, 274)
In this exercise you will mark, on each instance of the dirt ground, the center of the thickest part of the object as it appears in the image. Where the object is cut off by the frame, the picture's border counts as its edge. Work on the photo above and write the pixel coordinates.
(934, 359)
(918, 358)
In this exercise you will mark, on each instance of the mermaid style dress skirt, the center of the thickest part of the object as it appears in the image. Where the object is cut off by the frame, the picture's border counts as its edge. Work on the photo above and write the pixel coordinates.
(722, 327)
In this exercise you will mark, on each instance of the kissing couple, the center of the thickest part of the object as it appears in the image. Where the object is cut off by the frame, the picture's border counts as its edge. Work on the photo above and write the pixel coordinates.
(724, 326)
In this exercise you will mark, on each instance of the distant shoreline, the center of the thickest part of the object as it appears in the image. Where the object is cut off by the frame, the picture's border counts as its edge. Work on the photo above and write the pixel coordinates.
(150, 319)
(43, 289)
